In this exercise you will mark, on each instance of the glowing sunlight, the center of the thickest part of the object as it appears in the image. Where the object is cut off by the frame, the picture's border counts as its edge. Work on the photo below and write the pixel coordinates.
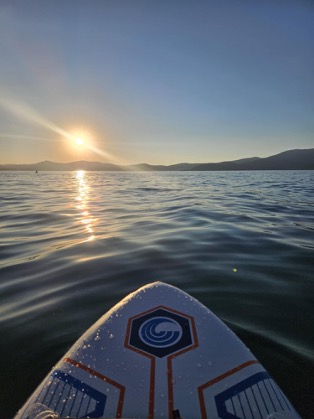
(79, 142)
(82, 205)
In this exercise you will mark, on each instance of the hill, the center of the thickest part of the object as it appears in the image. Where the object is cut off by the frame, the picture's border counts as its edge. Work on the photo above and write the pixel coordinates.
(287, 160)
(300, 159)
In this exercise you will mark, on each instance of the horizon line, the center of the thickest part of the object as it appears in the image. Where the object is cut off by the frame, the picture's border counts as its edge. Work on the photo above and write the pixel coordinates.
(152, 164)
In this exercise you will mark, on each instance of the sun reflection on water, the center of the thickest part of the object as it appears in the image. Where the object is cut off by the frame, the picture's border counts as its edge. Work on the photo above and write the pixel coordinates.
(82, 204)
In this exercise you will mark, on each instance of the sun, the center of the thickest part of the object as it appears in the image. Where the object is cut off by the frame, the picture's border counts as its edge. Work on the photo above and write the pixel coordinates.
(79, 141)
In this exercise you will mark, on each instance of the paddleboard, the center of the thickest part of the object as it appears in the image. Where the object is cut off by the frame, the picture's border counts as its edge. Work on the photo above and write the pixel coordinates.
(159, 353)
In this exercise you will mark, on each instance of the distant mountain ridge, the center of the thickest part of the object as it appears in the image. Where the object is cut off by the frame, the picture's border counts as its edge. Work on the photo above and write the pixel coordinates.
(299, 159)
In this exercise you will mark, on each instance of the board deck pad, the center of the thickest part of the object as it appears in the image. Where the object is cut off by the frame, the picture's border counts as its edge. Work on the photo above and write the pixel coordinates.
(157, 351)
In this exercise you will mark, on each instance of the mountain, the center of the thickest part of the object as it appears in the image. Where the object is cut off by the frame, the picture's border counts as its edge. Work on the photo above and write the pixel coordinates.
(287, 160)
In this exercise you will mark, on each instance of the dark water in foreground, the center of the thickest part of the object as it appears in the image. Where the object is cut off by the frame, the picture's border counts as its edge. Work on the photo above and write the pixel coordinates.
(74, 243)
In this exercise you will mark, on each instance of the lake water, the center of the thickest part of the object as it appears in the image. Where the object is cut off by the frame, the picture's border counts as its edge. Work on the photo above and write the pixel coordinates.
(74, 243)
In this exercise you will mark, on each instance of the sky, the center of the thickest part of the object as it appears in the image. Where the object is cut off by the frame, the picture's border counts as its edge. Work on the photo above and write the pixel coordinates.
(155, 81)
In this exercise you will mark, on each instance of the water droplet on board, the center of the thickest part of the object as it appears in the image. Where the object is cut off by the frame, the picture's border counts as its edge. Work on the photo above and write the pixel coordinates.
(97, 337)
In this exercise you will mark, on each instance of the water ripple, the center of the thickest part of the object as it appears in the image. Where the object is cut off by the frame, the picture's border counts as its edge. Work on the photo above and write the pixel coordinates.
(74, 243)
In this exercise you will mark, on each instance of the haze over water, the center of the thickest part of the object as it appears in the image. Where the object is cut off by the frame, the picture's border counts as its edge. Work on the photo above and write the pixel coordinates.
(74, 243)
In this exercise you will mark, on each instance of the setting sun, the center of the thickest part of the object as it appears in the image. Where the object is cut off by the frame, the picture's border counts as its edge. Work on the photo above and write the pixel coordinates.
(79, 141)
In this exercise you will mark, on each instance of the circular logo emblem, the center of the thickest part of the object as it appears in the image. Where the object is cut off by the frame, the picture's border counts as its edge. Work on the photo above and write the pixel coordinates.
(160, 332)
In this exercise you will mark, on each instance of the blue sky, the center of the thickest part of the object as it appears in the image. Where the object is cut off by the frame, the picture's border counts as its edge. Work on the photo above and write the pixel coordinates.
(156, 81)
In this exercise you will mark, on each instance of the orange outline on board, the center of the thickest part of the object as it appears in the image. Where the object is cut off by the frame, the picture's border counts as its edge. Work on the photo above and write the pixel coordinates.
(151, 403)
(104, 378)
(171, 357)
(216, 380)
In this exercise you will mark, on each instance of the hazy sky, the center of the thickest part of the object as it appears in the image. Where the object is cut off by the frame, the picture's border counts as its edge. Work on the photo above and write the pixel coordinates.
(156, 81)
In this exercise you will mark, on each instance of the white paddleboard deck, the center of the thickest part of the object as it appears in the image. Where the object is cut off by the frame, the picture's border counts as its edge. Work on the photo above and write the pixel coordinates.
(156, 351)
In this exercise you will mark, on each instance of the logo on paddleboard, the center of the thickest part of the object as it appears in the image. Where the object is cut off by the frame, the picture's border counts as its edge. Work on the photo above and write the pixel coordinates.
(160, 332)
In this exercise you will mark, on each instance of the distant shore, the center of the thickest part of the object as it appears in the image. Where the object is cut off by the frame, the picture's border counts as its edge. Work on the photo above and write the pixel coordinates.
(299, 159)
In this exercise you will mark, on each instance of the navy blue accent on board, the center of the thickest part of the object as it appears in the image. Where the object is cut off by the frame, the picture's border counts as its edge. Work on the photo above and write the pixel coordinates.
(161, 333)
(79, 392)
(237, 395)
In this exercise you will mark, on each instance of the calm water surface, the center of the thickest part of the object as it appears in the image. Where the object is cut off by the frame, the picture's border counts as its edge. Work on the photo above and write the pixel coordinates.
(74, 243)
